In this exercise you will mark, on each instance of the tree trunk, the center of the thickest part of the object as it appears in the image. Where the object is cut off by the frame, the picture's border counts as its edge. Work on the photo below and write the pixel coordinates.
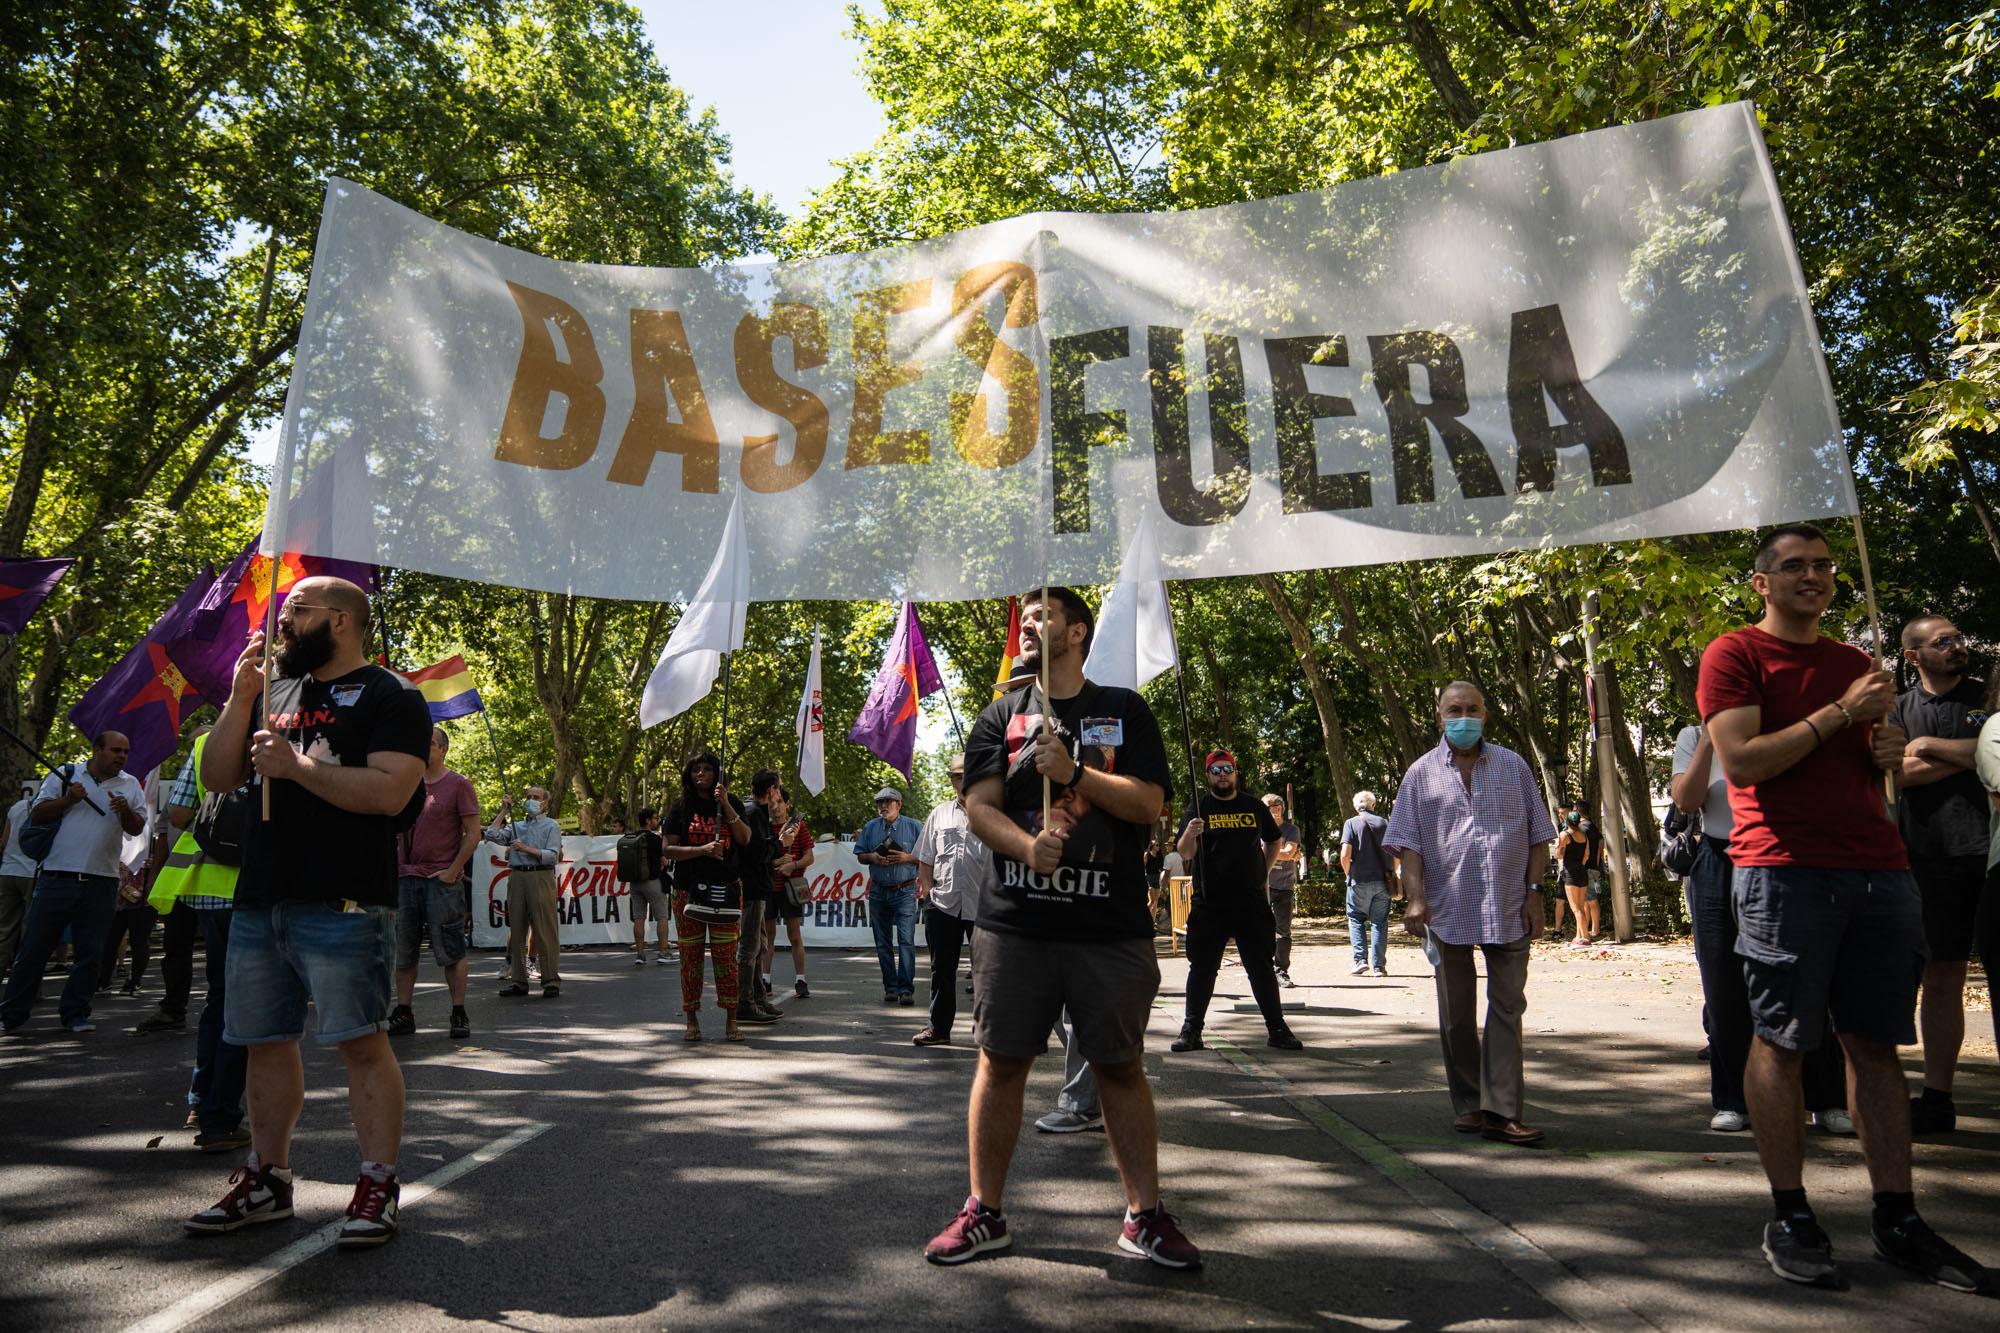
(36, 442)
(1317, 684)
(1435, 59)
(1975, 493)
(1395, 704)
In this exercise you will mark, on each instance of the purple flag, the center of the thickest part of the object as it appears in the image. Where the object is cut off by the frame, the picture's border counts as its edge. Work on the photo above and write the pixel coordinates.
(24, 584)
(235, 605)
(887, 727)
(147, 695)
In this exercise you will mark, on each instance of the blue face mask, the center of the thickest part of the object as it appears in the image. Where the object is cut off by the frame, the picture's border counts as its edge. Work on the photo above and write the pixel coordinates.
(533, 806)
(1463, 732)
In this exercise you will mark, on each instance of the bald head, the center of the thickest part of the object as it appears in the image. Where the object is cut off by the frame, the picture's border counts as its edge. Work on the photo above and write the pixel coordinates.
(340, 595)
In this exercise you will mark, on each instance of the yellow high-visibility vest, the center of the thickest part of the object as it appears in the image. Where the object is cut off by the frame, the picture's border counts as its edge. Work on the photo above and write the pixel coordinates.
(187, 870)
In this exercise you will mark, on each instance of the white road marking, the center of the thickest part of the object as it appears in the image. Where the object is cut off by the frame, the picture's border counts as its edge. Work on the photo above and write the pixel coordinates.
(213, 1297)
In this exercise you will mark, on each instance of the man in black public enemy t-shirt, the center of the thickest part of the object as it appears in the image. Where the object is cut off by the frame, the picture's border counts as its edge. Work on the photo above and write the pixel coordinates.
(341, 747)
(1063, 922)
(1943, 813)
(1230, 840)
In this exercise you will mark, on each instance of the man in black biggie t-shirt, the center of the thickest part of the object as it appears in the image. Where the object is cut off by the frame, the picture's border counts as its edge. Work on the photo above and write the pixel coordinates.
(1230, 840)
(1063, 921)
(341, 747)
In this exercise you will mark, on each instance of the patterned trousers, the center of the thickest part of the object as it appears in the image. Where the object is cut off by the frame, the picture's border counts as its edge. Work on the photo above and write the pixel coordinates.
(717, 939)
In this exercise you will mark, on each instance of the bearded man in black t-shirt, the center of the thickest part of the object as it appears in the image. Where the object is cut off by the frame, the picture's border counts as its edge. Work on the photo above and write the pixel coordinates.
(340, 746)
(1063, 921)
(1230, 841)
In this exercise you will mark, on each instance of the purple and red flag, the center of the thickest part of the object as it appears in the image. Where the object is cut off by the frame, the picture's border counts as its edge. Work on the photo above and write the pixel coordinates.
(236, 604)
(24, 585)
(887, 727)
(147, 694)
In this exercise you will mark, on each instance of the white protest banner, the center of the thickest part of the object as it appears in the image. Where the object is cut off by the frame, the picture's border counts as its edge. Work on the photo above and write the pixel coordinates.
(1601, 337)
(595, 908)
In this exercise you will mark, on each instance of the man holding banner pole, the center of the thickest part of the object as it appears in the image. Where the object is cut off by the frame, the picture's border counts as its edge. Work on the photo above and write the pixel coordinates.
(1063, 923)
(1827, 912)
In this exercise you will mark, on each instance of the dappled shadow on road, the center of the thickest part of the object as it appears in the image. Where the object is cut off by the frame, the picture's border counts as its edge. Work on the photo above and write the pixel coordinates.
(794, 1179)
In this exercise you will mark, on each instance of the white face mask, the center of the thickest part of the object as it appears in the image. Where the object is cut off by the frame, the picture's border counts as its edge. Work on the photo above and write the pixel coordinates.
(533, 806)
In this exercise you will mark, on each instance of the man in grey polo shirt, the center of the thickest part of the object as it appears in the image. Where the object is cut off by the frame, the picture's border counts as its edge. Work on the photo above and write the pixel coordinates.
(99, 804)
(951, 865)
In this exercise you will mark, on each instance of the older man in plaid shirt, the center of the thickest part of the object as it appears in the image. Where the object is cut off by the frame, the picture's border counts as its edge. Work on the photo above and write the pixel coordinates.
(1474, 836)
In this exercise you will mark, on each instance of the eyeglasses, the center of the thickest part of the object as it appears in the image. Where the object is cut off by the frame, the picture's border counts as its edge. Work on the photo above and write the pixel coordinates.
(1222, 770)
(1794, 567)
(285, 612)
(1947, 642)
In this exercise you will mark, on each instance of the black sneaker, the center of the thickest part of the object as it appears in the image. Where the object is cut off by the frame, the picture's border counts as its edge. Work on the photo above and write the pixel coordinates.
(1798, 1251)
(461, 1025)
(1189, 1040)
(264, 1195)
(1285, 1041)
(1913, 1245)
(750, 1013)
(402, 1021)
(800, 989)
(509, 992)
(222, 1140)
(1933, 1117)
(162, 1022)
(551, 992)
(371, 1215)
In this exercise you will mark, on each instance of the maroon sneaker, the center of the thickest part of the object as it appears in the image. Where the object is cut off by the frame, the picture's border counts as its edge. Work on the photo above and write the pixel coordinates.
(974, 1231)
(263, 1195)
(1155, 1235)
(371, 1215)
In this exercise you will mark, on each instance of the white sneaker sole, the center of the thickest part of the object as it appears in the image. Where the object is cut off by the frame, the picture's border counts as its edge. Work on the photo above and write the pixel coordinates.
(1130, 1246)
(977, 1248)
(248, 1220)
(1066, 1127)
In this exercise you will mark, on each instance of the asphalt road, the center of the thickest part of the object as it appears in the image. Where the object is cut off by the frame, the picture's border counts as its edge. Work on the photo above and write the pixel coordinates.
(793, 1181)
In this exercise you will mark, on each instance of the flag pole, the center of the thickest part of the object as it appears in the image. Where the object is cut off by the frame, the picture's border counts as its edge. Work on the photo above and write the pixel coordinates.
(1048, 708)
(1875, 627)
(42, 759)
(805, 718)
(1187, 727)
(724, 775)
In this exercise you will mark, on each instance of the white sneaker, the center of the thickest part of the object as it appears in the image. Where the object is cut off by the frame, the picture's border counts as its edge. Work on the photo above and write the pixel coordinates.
(1361, 969)
(1729, 1122)
(1833, 1122)
(638, 960)
(1378, 971)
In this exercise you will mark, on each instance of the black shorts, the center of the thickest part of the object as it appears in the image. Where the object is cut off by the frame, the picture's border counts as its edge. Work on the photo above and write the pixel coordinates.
(781, 909)
(1951, 888)
(1021, 985)
(1812, 940)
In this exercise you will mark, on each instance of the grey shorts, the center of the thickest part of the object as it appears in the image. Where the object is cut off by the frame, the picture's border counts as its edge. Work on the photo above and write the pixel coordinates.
(1812, 940)
(421, 901)
(649, 897)
(1021, 985)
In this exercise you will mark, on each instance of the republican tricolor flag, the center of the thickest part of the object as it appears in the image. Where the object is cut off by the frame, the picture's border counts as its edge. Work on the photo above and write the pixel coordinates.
(1010, 648)
(447, 687)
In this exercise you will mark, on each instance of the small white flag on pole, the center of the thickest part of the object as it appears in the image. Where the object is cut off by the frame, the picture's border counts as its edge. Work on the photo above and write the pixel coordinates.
(711, 624)
(811, 727)
(1134, 641)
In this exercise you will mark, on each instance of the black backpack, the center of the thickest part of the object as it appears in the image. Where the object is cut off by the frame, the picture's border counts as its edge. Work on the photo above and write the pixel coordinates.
(636, 863)
(38, 836)
(222, 826)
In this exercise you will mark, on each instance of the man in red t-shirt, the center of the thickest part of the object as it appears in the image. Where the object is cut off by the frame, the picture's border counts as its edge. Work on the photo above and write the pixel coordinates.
(431, 858)
(1827, 914)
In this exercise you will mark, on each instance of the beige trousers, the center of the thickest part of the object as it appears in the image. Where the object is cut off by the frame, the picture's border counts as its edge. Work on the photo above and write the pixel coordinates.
(531, 901)
(1483, 1076)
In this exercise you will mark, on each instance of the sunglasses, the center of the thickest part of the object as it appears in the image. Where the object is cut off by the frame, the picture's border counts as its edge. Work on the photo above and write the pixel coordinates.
(1222, 770)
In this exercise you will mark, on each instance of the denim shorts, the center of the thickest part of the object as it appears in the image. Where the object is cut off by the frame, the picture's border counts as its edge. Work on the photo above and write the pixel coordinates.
(281, 957)
(427, 900)
(1812, 940)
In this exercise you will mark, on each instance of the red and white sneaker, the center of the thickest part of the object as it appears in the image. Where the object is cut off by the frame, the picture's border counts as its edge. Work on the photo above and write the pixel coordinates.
(1155, 1235)
(263, 1195)
(371, 1216)
(974, 1231)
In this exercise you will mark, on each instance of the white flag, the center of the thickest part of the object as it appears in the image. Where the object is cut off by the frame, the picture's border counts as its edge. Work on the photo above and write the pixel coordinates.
(811, 728)
(1134, 641)
(711, 625)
